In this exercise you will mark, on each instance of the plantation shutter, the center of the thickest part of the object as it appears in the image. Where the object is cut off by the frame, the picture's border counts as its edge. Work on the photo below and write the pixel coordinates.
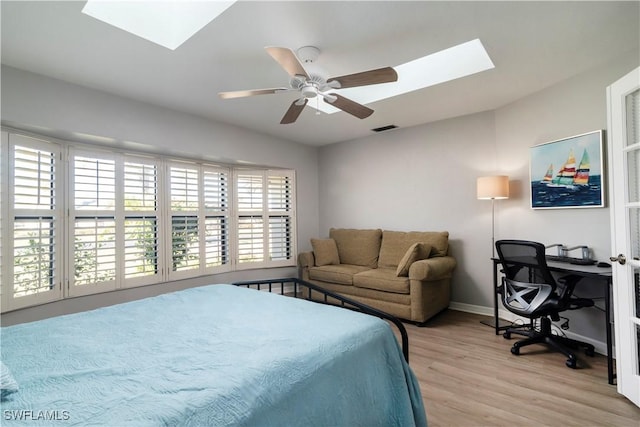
(216, 221)
(77, 219)
(93, 222)
(199, 210)
(141, 254)
(35, 229)
(265, 212)
(280, 211)
(185, 235)
(251, 232)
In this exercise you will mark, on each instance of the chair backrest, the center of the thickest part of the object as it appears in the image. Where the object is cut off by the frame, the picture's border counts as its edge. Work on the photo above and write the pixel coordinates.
(528, 282)
(525, 261)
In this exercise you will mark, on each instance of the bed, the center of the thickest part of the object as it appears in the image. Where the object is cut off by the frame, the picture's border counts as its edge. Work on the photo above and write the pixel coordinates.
(217, 355)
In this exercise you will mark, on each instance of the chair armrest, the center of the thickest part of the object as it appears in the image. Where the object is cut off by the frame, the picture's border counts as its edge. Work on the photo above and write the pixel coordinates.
(432, 268)
(306, 259)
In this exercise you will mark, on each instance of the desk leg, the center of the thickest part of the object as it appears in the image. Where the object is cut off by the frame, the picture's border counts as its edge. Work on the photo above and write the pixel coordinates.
(607, 316)
(495, 298)
(495, 324)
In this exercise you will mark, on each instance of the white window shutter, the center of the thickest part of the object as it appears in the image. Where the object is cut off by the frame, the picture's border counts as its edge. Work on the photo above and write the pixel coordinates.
(35, 225)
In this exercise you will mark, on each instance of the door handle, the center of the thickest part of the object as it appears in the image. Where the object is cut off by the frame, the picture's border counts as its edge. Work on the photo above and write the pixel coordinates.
(620, 258)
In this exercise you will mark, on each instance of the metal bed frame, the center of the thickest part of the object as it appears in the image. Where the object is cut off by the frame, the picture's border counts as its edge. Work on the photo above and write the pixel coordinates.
(303, 289)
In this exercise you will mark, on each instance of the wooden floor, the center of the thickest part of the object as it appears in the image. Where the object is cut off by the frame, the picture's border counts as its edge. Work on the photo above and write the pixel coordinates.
(468, 377)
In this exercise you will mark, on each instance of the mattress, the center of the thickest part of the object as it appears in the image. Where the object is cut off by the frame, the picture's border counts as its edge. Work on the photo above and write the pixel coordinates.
(216, 355)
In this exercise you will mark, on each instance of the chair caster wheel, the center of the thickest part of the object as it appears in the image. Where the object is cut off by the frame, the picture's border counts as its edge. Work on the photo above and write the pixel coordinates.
(571, 363)
(507, 335)
(515, 350)
(590, 352)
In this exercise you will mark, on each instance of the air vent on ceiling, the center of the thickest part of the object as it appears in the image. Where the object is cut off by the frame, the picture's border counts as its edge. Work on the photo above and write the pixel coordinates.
(384, 128)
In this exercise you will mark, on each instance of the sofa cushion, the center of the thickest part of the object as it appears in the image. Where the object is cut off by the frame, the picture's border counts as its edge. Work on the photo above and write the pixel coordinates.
(342, 273)
(396, 243)
(325, 251)
(357, 247)
(382, 279)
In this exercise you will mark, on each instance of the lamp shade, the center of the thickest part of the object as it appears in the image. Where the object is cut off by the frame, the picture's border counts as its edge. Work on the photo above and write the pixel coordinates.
(493, 187)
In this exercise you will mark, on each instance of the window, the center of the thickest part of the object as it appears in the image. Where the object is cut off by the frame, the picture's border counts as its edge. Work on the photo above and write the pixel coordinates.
(96, 220)
(115, 221)
(34, 214)
(93, 222)
(199, 219)
(265, 212)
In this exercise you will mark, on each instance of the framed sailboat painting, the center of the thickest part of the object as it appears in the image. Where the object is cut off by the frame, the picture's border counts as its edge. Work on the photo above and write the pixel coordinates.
(568, 173)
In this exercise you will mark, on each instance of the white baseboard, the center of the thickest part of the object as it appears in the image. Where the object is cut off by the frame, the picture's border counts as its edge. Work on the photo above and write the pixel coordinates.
(600, 347)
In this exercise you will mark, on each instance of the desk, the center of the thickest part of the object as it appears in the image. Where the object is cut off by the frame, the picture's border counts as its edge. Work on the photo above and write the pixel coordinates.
(601, 274)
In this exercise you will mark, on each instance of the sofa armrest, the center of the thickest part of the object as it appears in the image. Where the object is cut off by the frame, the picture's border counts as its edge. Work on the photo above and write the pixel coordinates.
(306, 259)
(432, 268)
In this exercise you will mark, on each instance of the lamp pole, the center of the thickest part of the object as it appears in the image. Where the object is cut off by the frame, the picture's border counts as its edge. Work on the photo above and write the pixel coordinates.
(493, 227)
(492, 188)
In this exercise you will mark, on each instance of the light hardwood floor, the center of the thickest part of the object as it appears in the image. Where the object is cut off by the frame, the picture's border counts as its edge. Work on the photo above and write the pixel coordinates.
(468, 377)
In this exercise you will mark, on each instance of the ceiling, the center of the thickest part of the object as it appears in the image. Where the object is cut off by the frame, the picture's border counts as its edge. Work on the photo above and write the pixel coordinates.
(532, 44)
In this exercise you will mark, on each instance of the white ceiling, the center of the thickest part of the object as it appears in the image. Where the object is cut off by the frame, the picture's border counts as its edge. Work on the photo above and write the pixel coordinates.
(532, 44)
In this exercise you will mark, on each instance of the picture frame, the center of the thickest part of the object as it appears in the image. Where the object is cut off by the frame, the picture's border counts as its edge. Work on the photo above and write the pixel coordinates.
(568, 172)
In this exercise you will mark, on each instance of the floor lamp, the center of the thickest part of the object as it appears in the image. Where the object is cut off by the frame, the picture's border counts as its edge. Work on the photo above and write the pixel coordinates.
(493, 188)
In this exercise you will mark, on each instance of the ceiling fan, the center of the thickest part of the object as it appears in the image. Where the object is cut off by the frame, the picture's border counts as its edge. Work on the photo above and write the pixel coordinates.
(312, 85)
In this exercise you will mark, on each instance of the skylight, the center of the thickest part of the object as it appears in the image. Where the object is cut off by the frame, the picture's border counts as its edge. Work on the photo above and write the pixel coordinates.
(167, 23)
(449, 64)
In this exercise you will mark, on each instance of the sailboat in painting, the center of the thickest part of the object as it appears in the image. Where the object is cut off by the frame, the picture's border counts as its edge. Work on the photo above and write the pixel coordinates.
(569, 176)
(548, 177)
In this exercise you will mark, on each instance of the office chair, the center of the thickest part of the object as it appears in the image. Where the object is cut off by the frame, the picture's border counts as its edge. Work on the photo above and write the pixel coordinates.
(530, 290)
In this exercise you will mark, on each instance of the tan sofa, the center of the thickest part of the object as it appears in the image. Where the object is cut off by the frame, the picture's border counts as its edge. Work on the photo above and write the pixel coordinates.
(406, 274)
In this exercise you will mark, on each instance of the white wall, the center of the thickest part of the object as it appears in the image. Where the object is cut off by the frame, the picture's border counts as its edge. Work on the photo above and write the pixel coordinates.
(55, 108)
(575, 106)
(423, 178)
(420, 178)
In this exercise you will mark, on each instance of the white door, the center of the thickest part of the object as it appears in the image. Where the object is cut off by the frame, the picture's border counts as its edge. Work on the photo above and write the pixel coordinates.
(624, 189)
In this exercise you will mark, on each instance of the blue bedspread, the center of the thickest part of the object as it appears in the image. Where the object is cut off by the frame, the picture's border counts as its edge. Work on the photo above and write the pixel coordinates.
(217, 355)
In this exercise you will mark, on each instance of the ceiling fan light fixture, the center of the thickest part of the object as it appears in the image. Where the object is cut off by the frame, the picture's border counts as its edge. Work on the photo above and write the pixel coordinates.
(309, 91)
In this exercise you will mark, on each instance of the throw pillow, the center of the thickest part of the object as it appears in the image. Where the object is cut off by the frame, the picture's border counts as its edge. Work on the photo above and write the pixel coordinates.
(325, 252)
(416, 252)
(8, 384)
(409, 257)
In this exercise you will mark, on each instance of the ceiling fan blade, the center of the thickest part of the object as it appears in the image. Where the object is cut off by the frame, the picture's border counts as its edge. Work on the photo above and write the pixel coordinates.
(287, 60)
(243, 93)
(349, 106)
(293, 112)
(371, 77)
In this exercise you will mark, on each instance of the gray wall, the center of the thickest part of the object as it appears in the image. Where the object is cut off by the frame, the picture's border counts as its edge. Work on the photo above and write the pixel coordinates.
(424, 178)
(74, 113)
